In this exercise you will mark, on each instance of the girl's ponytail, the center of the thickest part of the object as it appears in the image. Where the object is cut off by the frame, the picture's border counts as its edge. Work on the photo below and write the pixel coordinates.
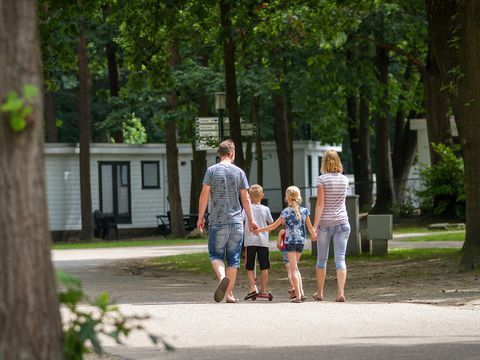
(294, 199)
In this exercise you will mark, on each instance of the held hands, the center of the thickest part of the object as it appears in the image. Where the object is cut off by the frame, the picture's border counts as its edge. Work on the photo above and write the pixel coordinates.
(314, 236)
(253, 227)
(279, 244)
(257, 231)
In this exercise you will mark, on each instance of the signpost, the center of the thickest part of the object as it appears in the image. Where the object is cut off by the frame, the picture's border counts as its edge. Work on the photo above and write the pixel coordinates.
(206, 131)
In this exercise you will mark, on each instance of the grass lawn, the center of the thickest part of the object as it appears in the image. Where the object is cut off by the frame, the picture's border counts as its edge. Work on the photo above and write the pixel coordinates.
(127, 243)
(417, 229)
(454, 236)
(200, 263)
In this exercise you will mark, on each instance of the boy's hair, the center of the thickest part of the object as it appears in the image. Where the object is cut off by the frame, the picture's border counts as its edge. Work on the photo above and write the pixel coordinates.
(255, 191)
(226, 148)
(294, 199)
(331, 163)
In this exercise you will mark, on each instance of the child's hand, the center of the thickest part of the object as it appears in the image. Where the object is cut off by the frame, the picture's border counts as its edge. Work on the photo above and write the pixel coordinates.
(256, 231)
(314, 236)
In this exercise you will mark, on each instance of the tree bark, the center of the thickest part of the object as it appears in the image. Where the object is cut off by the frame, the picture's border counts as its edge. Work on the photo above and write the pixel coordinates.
(112, 65)
(384, 172)
(436, 107)
(174, 197)
(231, 80)
(258, 138)
(199, 157)
(50, 117)
(405, 143)
(282, 140)
(30, 326)
(84, 135)
(457, 55)
(365, 186)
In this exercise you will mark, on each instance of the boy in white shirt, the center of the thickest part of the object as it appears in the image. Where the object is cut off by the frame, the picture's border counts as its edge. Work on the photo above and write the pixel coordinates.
(257, 245)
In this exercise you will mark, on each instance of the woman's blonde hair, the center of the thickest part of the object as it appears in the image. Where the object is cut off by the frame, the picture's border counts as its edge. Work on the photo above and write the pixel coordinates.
(294, 199)
(331, 163)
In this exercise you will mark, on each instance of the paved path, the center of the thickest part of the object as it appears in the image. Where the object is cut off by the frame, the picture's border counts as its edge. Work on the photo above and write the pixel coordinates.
(183, 312)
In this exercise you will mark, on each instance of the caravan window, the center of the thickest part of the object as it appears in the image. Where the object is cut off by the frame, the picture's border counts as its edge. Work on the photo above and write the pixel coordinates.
(150, 175)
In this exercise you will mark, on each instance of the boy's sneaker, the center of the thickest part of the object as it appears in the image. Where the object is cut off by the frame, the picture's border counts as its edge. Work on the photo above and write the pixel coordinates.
(221, 289)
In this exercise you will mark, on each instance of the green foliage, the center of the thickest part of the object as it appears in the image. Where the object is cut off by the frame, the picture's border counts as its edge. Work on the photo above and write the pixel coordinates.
(19, 107)
(444, 192)
(83, 328)
(133, 131)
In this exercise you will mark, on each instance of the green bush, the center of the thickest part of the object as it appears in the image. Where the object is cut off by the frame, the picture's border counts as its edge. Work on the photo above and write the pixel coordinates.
(444, 192)
(82, 328)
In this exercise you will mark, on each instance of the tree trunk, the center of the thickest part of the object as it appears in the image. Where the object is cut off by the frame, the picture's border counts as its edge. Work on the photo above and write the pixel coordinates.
(405, 143)
(231, 80)
(436, 107)
(85, 135)
(365, 183)
(50, 117)
(458, 59)
(199, 158)
(282, 140)
(30, 326)
(258, 138)
(113, 81)
(174, 197)
(384, 172)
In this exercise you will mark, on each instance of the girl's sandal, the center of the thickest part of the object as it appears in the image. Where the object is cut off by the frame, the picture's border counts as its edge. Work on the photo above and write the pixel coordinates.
(296, 300)
(340, 299)
(316, 297)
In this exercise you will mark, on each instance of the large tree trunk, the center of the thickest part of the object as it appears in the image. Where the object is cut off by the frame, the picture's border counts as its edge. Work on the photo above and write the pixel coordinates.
(365, 186)
(460, 74)
(113, 81)
(30, 326)
(199, 158)
(231, 80)
(258, 138)
(85, 135)
(358, 115)
(405, 143)
(282, 140)
(50, 117)
(436, 107)
(174, 197)
(384, 172)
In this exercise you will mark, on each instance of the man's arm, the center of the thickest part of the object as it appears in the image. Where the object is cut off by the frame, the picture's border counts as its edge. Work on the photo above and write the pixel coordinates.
(245, 197)
(202, 206)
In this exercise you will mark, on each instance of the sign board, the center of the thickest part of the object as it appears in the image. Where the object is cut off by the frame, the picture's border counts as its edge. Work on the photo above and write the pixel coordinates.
(206, 131)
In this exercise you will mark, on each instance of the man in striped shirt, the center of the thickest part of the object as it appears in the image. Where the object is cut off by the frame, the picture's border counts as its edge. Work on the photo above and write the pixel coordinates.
(226, 183)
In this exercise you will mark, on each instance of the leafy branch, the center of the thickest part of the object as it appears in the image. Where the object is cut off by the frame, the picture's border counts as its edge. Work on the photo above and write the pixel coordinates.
(19, 108)
(83, 328)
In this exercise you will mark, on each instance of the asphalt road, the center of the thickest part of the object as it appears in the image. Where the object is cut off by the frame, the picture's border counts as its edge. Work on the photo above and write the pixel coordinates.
(200, 329)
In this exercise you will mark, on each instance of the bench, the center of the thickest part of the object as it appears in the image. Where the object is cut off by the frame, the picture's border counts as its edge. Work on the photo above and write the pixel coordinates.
(189, 222)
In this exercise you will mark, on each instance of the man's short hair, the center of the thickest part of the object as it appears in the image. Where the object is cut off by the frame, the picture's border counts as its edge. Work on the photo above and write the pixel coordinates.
(226, 148)
(255, 191)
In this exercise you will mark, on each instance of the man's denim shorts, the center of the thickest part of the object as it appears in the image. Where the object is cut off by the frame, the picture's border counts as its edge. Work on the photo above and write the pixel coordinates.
(225, 242)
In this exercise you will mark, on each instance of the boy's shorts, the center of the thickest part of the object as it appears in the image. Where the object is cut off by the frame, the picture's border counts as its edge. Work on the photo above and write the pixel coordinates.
(263, 257)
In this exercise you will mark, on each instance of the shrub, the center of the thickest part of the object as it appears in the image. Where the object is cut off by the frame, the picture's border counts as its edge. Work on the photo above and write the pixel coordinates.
(83, 326)
(444, 191)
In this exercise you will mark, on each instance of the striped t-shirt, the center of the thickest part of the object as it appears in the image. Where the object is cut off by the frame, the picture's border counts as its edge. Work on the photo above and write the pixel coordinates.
(335, 187)
(225, 181)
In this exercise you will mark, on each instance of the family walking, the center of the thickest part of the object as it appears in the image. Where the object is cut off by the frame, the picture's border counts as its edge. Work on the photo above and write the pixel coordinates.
(237, 216)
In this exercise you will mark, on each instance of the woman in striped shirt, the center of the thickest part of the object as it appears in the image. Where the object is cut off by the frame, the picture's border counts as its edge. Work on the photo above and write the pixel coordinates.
(331, 221)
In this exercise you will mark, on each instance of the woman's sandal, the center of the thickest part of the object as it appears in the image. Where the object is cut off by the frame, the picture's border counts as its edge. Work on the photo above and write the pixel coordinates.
(340, 299)
(316, 297)
(296, 300)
